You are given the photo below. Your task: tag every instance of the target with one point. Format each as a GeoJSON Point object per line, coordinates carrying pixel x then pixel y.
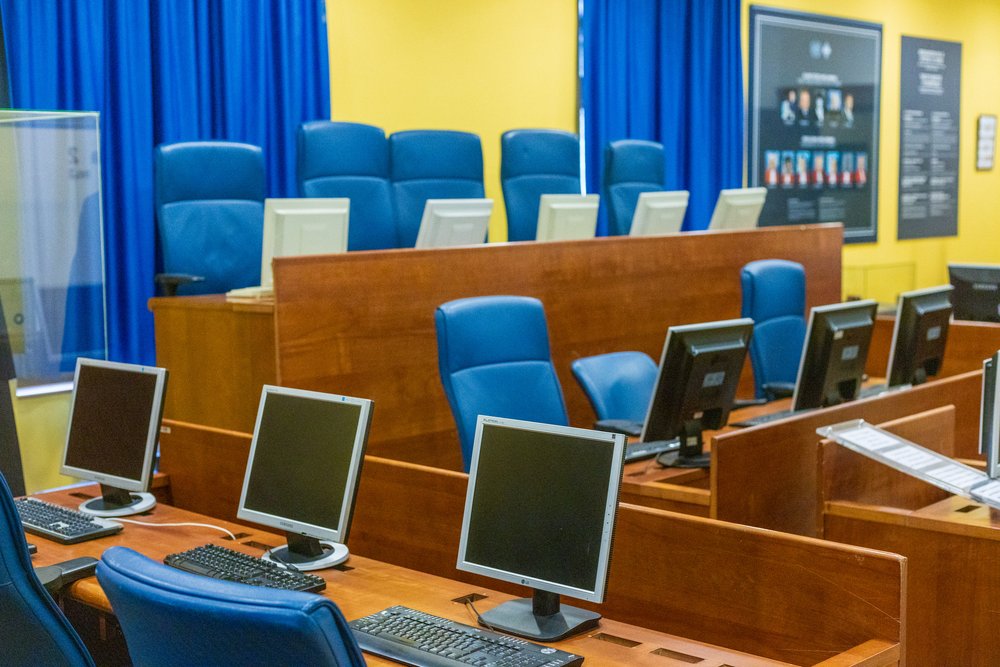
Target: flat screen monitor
{"type": "Point", "coordinates": [114, 423]}
{"type": "Point", "coordinates": [832, 366]}
{"type": "Point", "coordinates": [540, 512]}
{"type": "Point", "coordinates": [989, 416]}
{"type": "Point", "coordinates": [977, 291]}
{"type": "Point", "coordinates": [567, 217]}
{"type": "Point", "coordinates": [454, 222]}
{"type": "Point", "coordinates": [303, 471]}
{"type": "Point", "coordinates": [695, 387]}
{"type": "Point", "coordinates": [659, 213]}
{"type": "Point", "coordinates": [737, 209]}
{"type": "Point", "coordinates": [919, 335]}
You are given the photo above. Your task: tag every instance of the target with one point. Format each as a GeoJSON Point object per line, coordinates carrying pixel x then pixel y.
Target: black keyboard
{"type": "Point", "coordinates": [634, 451]}
{"type": "Point", "coordinates": [60, 524]}
{"type": "Point", "coordinates": [415, 638]}
{"type": "Point", "coordinates": [218, 562]}
{"type": "Point", "coordinates": [768, 418]}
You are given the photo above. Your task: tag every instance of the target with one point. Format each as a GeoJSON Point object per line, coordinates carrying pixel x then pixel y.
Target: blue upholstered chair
{"type": "Point", "coordinates": [535, 163]}
{"type": "Point", "coordinates": [774, 296]}
{"type": "Point", "coordinates": [350, 160]}
{"type": "Point", "coordinates": [631, 167]}
{"type": "Point", "coordinates": [431, 164]}
{"type": "Point", "coordinates": [618, 385]}
{"type": "Point", "coordinates": [210, 213]}
{"type": "Point", "coordinates": [173, 618]}
{"type": "Point", "coordinates": [494, 359]}
{"type": "Point", "coordinates": [35, 632]}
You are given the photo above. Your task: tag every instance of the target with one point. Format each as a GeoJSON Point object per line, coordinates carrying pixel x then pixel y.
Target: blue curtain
{"type": "Point", "coordinates": [667, 71]}
{"type": "Point", "coordinates": [161, 71]}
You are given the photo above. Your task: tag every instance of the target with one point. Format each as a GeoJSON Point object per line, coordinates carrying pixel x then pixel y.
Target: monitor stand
{"type": "Point", "coordinates": [691, 453]}
{"type": "Point", "coordinates": [307, 553]}
{"type": "Point", "coordinates": [540, 618]}
{"type": "Point", "coordinates": [118, 502]}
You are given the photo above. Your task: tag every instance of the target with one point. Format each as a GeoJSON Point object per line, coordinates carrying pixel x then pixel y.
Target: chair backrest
{"type": "Point", "coordinates": [170, 617]}
{"type": "Point", "coordinates": [431, 164]}
{"type": "Point", "coordinates": [494, 359]}
{"type": "Point", "coordinates": [618, 385]}
{"type": "Point", "coordinates": [210, 212]}
{"type": "Point", "coordinates": [35, 632]}
{"type": "Point", "coordinates": [350, 160]}
{"type": "Point", "coordinates": [631, 167]}
{"type": "Point", "coordinates": [774, 297]}
{"type": "Point", "coordinates": [535, 163]}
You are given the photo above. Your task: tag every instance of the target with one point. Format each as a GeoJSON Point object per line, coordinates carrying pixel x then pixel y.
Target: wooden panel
{"type": "Point", "coordinates": [767, 476]}
{"type": "Point", "coordinates": [219, 356]}
{"type": "Point", "coordinates": [363, 323]}
{"type": "Point", "coordinates": [968, 344]}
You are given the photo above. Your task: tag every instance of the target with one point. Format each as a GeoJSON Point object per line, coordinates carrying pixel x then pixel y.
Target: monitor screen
{"type": "Point", "coordinates": [919, 335]}
{"type": "Point", "coordinates": [305, 462]}
{"type": "Point", "coordinates": [454, 222]}
{"type": "Point", "coordinates": [306, 226]}
{"type": "Point", "coordinates": [659, 213]}
{"type": "Point", "coordinates": [699, 372]}
{"type": "Point", "coordinates": [567, 217]}
{"type": "Point", "coordinates": [989, 416]}
{"type": "Point", "coordinates": [833, 357]}
{"type": "Point", "coordinates": [977, 291]}
{"type": "Point", "coordinates": [737, 209]}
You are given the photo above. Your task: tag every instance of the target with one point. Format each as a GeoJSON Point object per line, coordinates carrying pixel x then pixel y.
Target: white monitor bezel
{"type": "Point", "coordinates": [991, 449]}
{"type": "Point", "coordinates": [732, 199]}
{"type": "Point", "coordinates": [440, 213]}
{"type": "Point", "coordinates": [650, 202]}
{"type": "Point", "coordinates": [616, 440]}
{"type": "Point", "coordinates": [338, 535]}
{"type": "Point", "coordinates": [549, 207]}
{"type": "Point", "coordinates": [141, 484]}
{"type": "Point", "coordinates": [273, 207]}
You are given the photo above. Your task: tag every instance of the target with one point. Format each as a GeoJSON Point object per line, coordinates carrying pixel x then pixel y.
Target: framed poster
{"type": "Point", "coordinates": [815, 84]}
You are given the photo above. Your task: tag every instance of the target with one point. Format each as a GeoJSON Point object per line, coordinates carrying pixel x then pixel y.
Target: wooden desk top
{"type": "Point", "coordinates": [954, 515]}
{"type": "Point", "coordinates": [369, 586]}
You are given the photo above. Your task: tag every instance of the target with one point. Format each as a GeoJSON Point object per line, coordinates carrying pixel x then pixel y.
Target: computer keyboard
{"type": "Point", "coordinates": [768, 418]}
{"type": "Point", "coordinates": [60, 524]}
{"type": "Point", "coordinates": [635, 451]}
{"type": "Point", "coordinates": [415, 638]}
{"type": "Point", "coordinates": [218, 562]}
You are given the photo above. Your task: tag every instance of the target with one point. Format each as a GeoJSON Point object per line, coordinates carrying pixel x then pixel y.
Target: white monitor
{"type": "Point", "coordinates": [659, 213]}
{"type": "Point", "coordinates": [308, 226]}
{"type": "Point", "coordinates": [303, 472]}
{"type": "Point", "coordinates": [989, 416]}
{"type": "Point", "coordinates": [738, 209]}
{"type": "Point", "coordinates": [454, 222]}
{"type": "Point", "coordinates": [567, 217]}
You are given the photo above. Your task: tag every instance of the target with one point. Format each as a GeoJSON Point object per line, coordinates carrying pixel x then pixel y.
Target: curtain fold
{"type": "Point", "coordinates": [667, 71]}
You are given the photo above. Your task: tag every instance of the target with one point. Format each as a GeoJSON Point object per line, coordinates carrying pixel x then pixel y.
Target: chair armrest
{"type": "Point", "coordinates": [169, 282]}
{"type": "Point", "coordinates": [58, 576]}
{"type": "Point", "coordinates": [776, 390]}
{"type": "Point", "coordinates": [619, 426]}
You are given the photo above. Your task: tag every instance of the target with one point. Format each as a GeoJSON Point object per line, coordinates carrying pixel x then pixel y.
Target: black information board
{"type": "Point", "coordinates": [929, 88]}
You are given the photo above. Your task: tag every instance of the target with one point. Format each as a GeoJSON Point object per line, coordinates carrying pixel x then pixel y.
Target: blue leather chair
{"type": "Point", "coordinates": [774, 296]}
{"type": "Point", "coordinates": [350, 160]}
{"type": "Point", "coordinates": [210, 213]}
{"type": "Point", "coordinates": [173, 618]}
{"type": "Point", "coordinates": [535, 163]}
{"type": "Point", "coordinates": [631, 167]}
{"type": "Point", "coordinates": [35, 632]}
{"type": "Point", "coordinates": [494, 359]}
{"type": "Point", "coordinates": [431, 164]}
{"type": "Point", "coordinates": [619, 385]}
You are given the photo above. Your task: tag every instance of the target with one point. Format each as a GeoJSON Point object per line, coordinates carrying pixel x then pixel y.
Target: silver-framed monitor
{"type": "Point", "coordinates": [737, 209]}
{"type": "Point", "coordinates": [989, 416]}
{"type": "Point", "coordinates": [567, 217]}
{"type": "Point", "coordinates": [540, 511]}
{"type": "Point", "coordinates": [659, 213]}
{"type": "Point", "coordinates": [448, 223]}
{"type": "Point", "coordinates": [114, 426]}
{"type": "Point", "coordinates": [303, 471]}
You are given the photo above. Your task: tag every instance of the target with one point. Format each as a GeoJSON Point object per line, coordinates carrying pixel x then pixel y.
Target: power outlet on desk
{"type": "Point", "coordinates": [236, 536]}
{"type": "Point", "coordinates": [469, 599]}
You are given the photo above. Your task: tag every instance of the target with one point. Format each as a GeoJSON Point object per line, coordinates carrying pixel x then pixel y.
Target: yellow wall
{"type": "Point", "coordinates": [483, 66]}
{"type": "Point", "coordinates": [881, 270]}
{"type": "Point", "coordinates": [41, 430]}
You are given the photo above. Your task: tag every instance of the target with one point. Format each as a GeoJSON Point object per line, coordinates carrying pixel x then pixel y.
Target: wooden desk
{"type": "Point", "coordinates": [362, 323]}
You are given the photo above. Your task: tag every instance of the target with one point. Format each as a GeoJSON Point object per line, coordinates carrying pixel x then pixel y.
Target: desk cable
{"type": "Point", "coordinates": [157, 525]}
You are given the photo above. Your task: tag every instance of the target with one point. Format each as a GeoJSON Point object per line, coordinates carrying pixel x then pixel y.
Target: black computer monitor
{"type": "Point", "coordinates": [303, 471]}
{"type": "Point", "coordinates": [540, 511]}
{"type": "Point", "coordinates": [919, 335]}
{"type": "Point", "coordinates": [833, 358]}
{"type": "Point", "coordinates": [989, 416]}
{"type": "Point", "coordinates": [114, 424]}
{"type": "Point", "coordinates": [695, 387]}
{"type": "Point", "coordinates": [977, 291]}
